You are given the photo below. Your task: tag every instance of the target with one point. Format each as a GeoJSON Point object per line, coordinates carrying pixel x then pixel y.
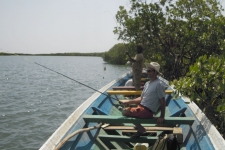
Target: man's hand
{"type": "Point", "coordinates": [160, 120]}
{"type": "Point", "coordinates": [124, 102]}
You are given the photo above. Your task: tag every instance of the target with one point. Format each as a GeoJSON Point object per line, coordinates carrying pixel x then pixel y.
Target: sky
{"type": "Point", "coordinates": [58, 26]}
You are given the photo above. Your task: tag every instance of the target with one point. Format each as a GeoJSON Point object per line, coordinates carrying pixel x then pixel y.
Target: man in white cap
{"type": "Point", "coordinates": [151, 99]}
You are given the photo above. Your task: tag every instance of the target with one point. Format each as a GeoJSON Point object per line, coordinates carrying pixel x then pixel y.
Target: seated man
{"type": "Point", "coordinates": [153, 97]}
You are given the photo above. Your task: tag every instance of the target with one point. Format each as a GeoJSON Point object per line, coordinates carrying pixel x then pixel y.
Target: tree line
{"type": "Point", "coordinates": [57, 54]}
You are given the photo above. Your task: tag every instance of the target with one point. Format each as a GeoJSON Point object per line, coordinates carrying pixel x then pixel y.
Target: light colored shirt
{"type": "Point", "coordinates": [138, 65]}
{"type": "Point", "coordinates": [151, 94]}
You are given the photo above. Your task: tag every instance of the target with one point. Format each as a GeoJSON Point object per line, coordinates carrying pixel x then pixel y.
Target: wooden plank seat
{"type": "Point", "coordinates": [118, 138]}
{"type": "Point", "coordinates": [149, 129]}
{"type": "Point", "coordinates": [124, 92]}
{"type": "Point", "coordinates": [126, 88]}
{"type": "Point", "coordinates": [134, 131]}
{"type": "Point", "coordinates": [129, 88]}
{"type": "Point", "coordinates": [174, 130]}
{"type": "Point", "coordinates": [142, 139]}
{"type": "Point", "coordinates": [123, 119]}
{"type": "Point", "coordinates": [130, 92]}
{"type": "Point", "coordinates": [144, 79]}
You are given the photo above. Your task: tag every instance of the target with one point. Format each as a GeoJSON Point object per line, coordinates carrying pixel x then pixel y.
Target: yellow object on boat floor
{"type": "Point", "coordinates": [141, 146]}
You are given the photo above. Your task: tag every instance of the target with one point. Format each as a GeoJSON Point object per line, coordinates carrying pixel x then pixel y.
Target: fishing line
{"type": "Point", "coordinates": [66, 77]}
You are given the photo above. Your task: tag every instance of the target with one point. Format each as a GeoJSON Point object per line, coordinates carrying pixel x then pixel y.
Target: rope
{"type": "Point", "coordinates": [75, 133]}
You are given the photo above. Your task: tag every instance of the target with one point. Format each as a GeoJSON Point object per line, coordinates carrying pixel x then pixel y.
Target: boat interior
{"type": "Point", "coordinates": [116, 130]}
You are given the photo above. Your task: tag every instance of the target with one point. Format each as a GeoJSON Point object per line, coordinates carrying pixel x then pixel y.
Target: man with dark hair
{"type": "Point", "coordinates": [151, 99]}
{"type": "Point", "coordinates": [137, 66]}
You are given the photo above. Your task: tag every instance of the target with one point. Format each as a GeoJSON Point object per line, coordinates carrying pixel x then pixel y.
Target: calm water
{"type": "Point", "coordinates": [35, 101]}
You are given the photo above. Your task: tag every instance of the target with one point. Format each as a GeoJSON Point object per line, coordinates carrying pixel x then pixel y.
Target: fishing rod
{"type": "Point", "coordinates": [72, 79]}
{"type": "Point", "coordinates": [67, 77]}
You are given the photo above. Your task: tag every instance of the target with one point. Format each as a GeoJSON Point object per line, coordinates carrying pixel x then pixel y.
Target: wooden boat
{"type": "Point", "coordinates": [97, 124]}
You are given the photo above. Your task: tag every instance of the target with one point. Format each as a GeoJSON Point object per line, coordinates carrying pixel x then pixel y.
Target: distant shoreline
{"type": "Point", "coordinates": [56, 54]}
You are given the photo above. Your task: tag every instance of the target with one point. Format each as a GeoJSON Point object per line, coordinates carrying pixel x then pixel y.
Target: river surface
{"type": "Point", "coordinates": [35, 101]}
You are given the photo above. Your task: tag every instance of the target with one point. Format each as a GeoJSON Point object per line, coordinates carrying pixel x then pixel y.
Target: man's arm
{"type": "Point", "coordinates": [131, 101]}
{"type": "Point", "coordinates": [162, 107]}
{"type": "Point", "coordinates": [131, 59]}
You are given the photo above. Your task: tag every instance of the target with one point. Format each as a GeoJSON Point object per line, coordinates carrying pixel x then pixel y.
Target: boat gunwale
{"type": "Point", "coordinates": [213, 134]}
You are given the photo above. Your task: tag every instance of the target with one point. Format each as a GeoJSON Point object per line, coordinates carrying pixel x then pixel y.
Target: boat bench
{"type": "Point", "coordinates": [142, 139]}
{"type": "Point", "coordinates": [129, 88]}
{"type": "Point", "coordinates": [123, 119]}
{"type": "Point", "coordinates": [144, 79]}
{"type": "Point", "coordinates": [168, 121]}
{"type": "Point", "coordinates": [126, 88]}
{"type": "Point", "coordinates": [149, 129]}
{"type": "Point", "coordinates": [118, 138]}
{"type": "Point", "coordinates": [130, 92]}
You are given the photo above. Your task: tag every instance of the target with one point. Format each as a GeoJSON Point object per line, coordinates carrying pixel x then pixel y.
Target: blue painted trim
{"type": "Point", "coordinates": [99, 111]}
{"type": "Point", "coordinates": [179, 112]}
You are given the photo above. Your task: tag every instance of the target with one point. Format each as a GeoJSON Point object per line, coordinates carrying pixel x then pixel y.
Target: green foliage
{"type": "Point", "coordinates": [179, 34]}
{"type": "Point", "coordinates": [58, 54]}
{"type": "Point", "coordinates": [3, 54]}
{"type": "Point", "coordinates": [173, 33]}
{"type": "Point", "coordinates": [73, 54]}
{"type": "Point", "coordinates": [205, 85]}
{"type": "Point", "coordinates": [117, 55]}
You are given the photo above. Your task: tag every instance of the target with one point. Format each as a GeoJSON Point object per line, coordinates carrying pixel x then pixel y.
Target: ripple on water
{"type": "Point", "coordinates": [35, 102]}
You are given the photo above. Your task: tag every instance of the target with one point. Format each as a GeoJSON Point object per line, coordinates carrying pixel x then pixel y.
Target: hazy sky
{"type": "Point", "coordinates": [58, 26]}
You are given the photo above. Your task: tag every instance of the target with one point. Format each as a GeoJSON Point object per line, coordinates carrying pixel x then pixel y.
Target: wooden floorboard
{"type": "Point", "coordinates": [118, 138]}
{"type": "Point", "coordinates": [132, 128]}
